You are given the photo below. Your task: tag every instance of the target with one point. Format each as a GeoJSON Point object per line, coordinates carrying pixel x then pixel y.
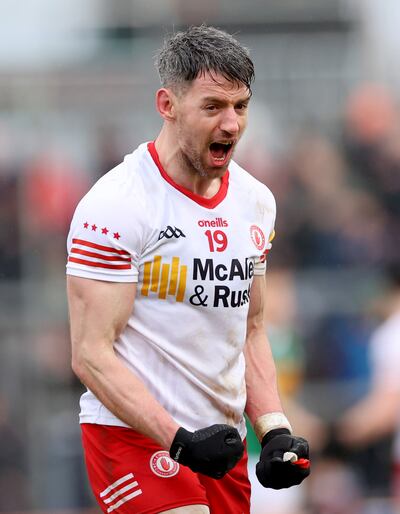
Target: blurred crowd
{"type": "Point", "coordinates": [333, 281]}
{"type": "Point", "coordinates": [338, 192]}
{"type": "Point", "coordinates": [337, 347]}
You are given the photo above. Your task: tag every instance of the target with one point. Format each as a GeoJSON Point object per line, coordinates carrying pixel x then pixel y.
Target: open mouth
{"type": "Point", "coordinates": [220, 152]}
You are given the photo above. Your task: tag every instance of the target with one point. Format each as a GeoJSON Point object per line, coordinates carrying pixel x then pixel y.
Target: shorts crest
{"type": "Point", "coordinates": [162, 465]}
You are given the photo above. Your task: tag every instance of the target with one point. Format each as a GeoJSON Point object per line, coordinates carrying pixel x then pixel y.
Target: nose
{"type": "Point", "coordinates": [230, 122]}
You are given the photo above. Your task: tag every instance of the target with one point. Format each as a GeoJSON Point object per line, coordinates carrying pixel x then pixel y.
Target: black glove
{"type": "Point", "coordinates": [212, 451]}
{"type": "Point", "coordinates": [271, 470]}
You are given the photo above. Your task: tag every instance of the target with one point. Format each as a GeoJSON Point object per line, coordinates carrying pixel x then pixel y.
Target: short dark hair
{"type": "Point", "coordinates": [201, 49]}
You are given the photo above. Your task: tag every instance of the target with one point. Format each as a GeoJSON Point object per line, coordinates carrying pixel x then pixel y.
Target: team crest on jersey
{"type": "Point", "coordinates": [162, 465]}
{"type": "Point", "coordinates": [257, 236]}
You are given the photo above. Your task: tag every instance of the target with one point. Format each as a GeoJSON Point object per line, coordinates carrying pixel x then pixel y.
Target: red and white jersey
{"type": "Point", "coordinates": [193, 260]}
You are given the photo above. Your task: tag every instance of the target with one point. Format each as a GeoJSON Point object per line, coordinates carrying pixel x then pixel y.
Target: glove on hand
{"type": "Point", "coordinates": [212, 451]}
{"type": "Point", "coordinates": [271, 470]}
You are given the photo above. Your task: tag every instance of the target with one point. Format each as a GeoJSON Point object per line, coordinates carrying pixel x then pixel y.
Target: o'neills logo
{"type": "Point", "coordinates": [217, 222]}
{"type": "Point", "coordinates": [162, 465]}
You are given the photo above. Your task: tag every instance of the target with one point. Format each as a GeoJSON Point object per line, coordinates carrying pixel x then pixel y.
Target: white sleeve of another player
{"type": "Point", "coordinates": [105, 238]}
{"type": "Point", "coordinates": [385, 354]}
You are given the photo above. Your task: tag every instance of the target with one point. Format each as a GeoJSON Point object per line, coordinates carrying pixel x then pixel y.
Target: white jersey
{"type": "Point", "coordinates": [385, 358]}
{"type": "Point", "coordinates": [193, 260]}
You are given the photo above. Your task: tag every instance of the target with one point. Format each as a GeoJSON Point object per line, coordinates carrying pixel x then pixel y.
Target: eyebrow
{"type": "Point", "coordinates": [222, 101]}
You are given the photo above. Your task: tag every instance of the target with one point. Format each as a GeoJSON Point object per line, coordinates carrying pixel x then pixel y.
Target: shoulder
{"type": "Point", "coordinates": [118, 192]}
{"type": "Point", "coordinates": [110, 226]}
{"type": "Point", "coordinates": [122, 182]}
{"type": "Point", "coordinates": [115, 205]}
{"type": "Point", "coordinates": [248, 184]}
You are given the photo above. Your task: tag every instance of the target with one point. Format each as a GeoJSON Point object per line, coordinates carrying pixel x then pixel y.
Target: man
{"type": "Point", "coordinates": [166, 292]}
{"type": "Point", "coordinates": [376, 415]}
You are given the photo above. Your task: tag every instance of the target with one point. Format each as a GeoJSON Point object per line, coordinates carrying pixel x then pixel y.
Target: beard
{"type": "Point", "coordinates": [191, 160]}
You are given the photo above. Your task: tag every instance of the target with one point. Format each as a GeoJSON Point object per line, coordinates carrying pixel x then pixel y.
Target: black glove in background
{"type": "Point", "coordinates": [213, 450]}
{"type": "Point", "coordinates": [271, 470]}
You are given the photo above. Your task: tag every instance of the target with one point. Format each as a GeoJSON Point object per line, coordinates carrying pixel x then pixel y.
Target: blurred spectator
{"type": "Point", "coordinates": [337, 349]}
{"type": "Point", "coordinates": [108, 150]}
{"type": "Point", "coordinates": [52, 188]}
{"type": "Point", "coordinates": [10, 262]}
{"type": "Point", "coordinates": [13, 477]}
{"type": "Point", "coordinates": [378, 413]}
{"type": "Point", "coordinates": [372, 146]}
{"type": "Point", "coordinates": [325, 220]}
{"type": "Point", "coordinates": [66, 484]}
{"type": "Point", "coordinates": [63, 482]}
{"type": "Point", "coordinates": [334, 488]}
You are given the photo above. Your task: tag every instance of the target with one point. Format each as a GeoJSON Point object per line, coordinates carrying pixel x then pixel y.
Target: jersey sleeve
{"type": "Point", "coordinates": [266, 234]}
{"type": "Point", "coordinates": [105, 239]}
{"type": "Point", "coordinates": [260, 264]}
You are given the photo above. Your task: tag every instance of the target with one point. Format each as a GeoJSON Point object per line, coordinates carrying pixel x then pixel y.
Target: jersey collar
{"type": "Point", "coordinates": [209, 203]}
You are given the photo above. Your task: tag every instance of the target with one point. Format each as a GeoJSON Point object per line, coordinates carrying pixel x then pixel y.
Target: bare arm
{"type": "Point", "coordinates": [261, 383]}
{"type": "Point", "coordinates": [275, 469]}
{"type": "Point", "coordinates": [99, 311]}
{"type": "Point", "coordinates": [373, 417]}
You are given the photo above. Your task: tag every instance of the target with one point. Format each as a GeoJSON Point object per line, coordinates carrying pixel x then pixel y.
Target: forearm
{"type": "Point", "coordinates": [261, 382]}
{"type": "Point", "coordinates": [124, 394]}
{"type": "Point", "coordinates": [373, 417]}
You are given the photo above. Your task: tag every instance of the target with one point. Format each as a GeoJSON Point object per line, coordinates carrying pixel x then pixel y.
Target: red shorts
{"type": "Point", "coordinates": [130, 473]}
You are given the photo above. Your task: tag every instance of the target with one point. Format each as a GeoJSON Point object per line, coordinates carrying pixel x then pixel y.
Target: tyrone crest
{"type": "Point", "coordinates": [162, 465]}
{"type": "Point", "coordinates": [257, 236]}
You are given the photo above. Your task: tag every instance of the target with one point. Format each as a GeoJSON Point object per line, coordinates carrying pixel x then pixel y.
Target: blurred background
{"type": "Point", "coordinates": [77, 84]}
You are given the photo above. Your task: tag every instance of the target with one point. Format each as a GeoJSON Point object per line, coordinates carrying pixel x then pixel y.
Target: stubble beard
{"type": "Point", "coordinates": [189, 157]}
{"type": "Point", "coordinates": [192, 162]}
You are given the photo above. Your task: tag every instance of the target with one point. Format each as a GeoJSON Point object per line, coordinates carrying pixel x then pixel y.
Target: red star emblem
{"type": "Point", "coordinates": [94, 227]}
{"type": "Point", "coordinates": [116, 235]}
{"type": "Point", "coordinates": [86, 224]}
{"type": "Point", "coordinates": [104, 230]}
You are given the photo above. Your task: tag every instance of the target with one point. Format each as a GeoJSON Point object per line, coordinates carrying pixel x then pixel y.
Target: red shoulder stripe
{"type": "Point", "coordinates": [99, 264]}
{"type": "Point", "coordinates": [100, 256]}
{"type": "Point", "coordinates": [99, 247]}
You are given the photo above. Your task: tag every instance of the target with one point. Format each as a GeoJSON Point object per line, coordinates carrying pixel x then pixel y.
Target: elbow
{"type": "Point", "coordinates": [81, 363]}
{"type": "Point", "coordinates": [89, 361]}
{"type": "Point", "coordinates": [78, 367]}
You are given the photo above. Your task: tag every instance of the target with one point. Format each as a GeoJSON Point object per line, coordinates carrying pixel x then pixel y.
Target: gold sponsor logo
{"type": "Point", "coordinates": [164, 279]}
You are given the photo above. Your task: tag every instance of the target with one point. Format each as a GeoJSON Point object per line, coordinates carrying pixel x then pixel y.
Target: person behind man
{"type": "Point", "coordinates": [377, 414]}
{"type": "Point", "coordinates": [166, 295]}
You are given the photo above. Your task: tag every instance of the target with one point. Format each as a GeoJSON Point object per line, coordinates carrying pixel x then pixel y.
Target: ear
{"type": "Point", "coordinates": [165, 103]}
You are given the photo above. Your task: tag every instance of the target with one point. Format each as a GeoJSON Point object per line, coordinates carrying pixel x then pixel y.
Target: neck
{"type": "Point", "coordinates": [177, 167]}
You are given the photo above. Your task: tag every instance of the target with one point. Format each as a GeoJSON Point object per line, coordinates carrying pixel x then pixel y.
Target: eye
{"type": "Point", "coordinates": [211, 107]}
{"type": "Point", "coordinates": [241, 107]}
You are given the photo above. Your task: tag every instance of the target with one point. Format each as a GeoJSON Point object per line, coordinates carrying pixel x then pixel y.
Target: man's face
{"type": "Point", "coordinates": [211, 116]}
